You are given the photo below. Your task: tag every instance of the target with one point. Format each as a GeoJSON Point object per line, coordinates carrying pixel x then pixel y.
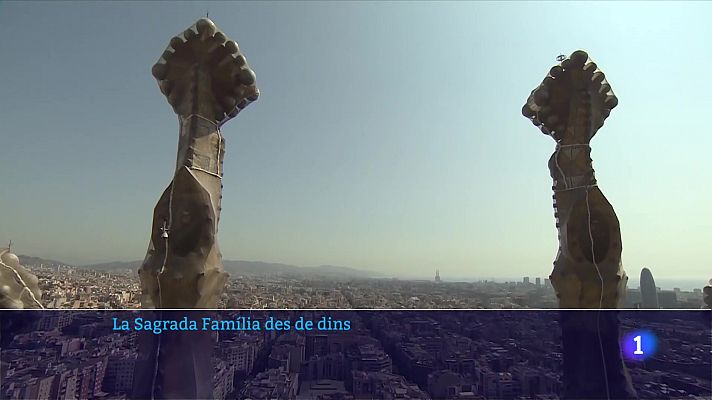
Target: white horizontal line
{"type": "Point", "coordinates": [357, 309]}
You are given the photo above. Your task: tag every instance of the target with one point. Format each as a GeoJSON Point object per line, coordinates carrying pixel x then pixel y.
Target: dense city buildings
{"type": "Point", "coordinates": [70, 287]}
{"type": "Point", "coordinates": [387, 355]}
{"type": "Point", "coordinates": [390, 355]}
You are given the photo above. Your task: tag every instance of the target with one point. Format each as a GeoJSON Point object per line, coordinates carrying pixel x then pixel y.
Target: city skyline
{"type": "Point", "coordinates": [238, 268]}
{"type": "Point", "coordinates": [393, 144]}
{"type": "Point", "coordinates": [77, 288]}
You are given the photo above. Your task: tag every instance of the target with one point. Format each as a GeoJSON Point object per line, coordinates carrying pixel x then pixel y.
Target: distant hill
{"type": "Point", "coordinates": [115, 266]}
{"type": "Point", "coordinates": [241, 267]}
{"type": "Point", "coordinates": [30, 260]}
{"type": "Point", "coordinates": [233, 267]}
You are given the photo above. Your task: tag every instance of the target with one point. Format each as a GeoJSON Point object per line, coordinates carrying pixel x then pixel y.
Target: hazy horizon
{"type": "Point", "coordinates": [388, 136]}
{"type": "Point", "coordinates": [684, 282]}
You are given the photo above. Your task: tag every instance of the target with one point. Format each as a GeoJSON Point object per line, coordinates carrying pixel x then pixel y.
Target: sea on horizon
{"type": "Point", "coordinates": [685, 284]}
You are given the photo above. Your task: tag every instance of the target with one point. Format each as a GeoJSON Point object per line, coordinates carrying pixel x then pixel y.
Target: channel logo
{"type": "Point", "coordinates": [639, 345]}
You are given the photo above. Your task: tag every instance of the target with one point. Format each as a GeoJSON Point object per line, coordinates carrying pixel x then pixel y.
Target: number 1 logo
{"type": "Point", "coordinates": [638, 345]}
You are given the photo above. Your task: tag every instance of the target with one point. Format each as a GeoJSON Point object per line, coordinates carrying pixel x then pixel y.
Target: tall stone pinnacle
{"type": "Point", "coordinates": [207, 81]}
{"type": "Point", "coordinates": [570, 105]}
{"type": "Point", "coordinates": [18, 286]}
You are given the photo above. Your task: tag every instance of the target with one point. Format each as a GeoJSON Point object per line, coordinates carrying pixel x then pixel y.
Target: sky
{"type": "Point", "coordinates": [387, 137]}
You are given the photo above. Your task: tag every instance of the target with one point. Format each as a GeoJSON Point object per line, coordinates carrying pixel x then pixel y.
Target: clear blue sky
{"type": "Point", "coordinates": [388, 136]}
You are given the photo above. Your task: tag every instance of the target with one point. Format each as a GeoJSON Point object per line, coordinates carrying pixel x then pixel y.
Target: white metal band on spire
{"type": "Point", "coordinates": [220, 140]}
{"type": "Point", "coordinates": [564, 178]}
{"type": "Point", "coordinates": [588, 188]}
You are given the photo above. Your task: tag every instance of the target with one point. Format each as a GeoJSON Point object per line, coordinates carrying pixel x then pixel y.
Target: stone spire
{"type": "Point", "coordinates": [207, 81]}
{"type": "Point", "coordinates": [570, 105]}
{"type": "Point", "coordinates": [18, 286]}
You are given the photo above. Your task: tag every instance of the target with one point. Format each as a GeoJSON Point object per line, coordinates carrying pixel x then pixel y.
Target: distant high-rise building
{"type": "Point", "coordinates": [538, 281]}
{"type": "Point", "coordinates": [668, 299]}
{"type": "Point", "coordinates": [648, 291]}
{"type": "Point", "coordinates": [526, 280]}
{"type": "Point", "coordinates": [547, 282]}
{"type": "Point", "coordinates": [632, 298]}
{"type": "Point", "coordinates": [437, 275]}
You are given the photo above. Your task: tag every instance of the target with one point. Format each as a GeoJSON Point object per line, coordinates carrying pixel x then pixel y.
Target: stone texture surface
{"type": "Point", "coordinates": [207, 81]}
{"type": "Point", "coordinates": [570, 105]}
{"type": "Point", "coordinates": [18, 286]}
